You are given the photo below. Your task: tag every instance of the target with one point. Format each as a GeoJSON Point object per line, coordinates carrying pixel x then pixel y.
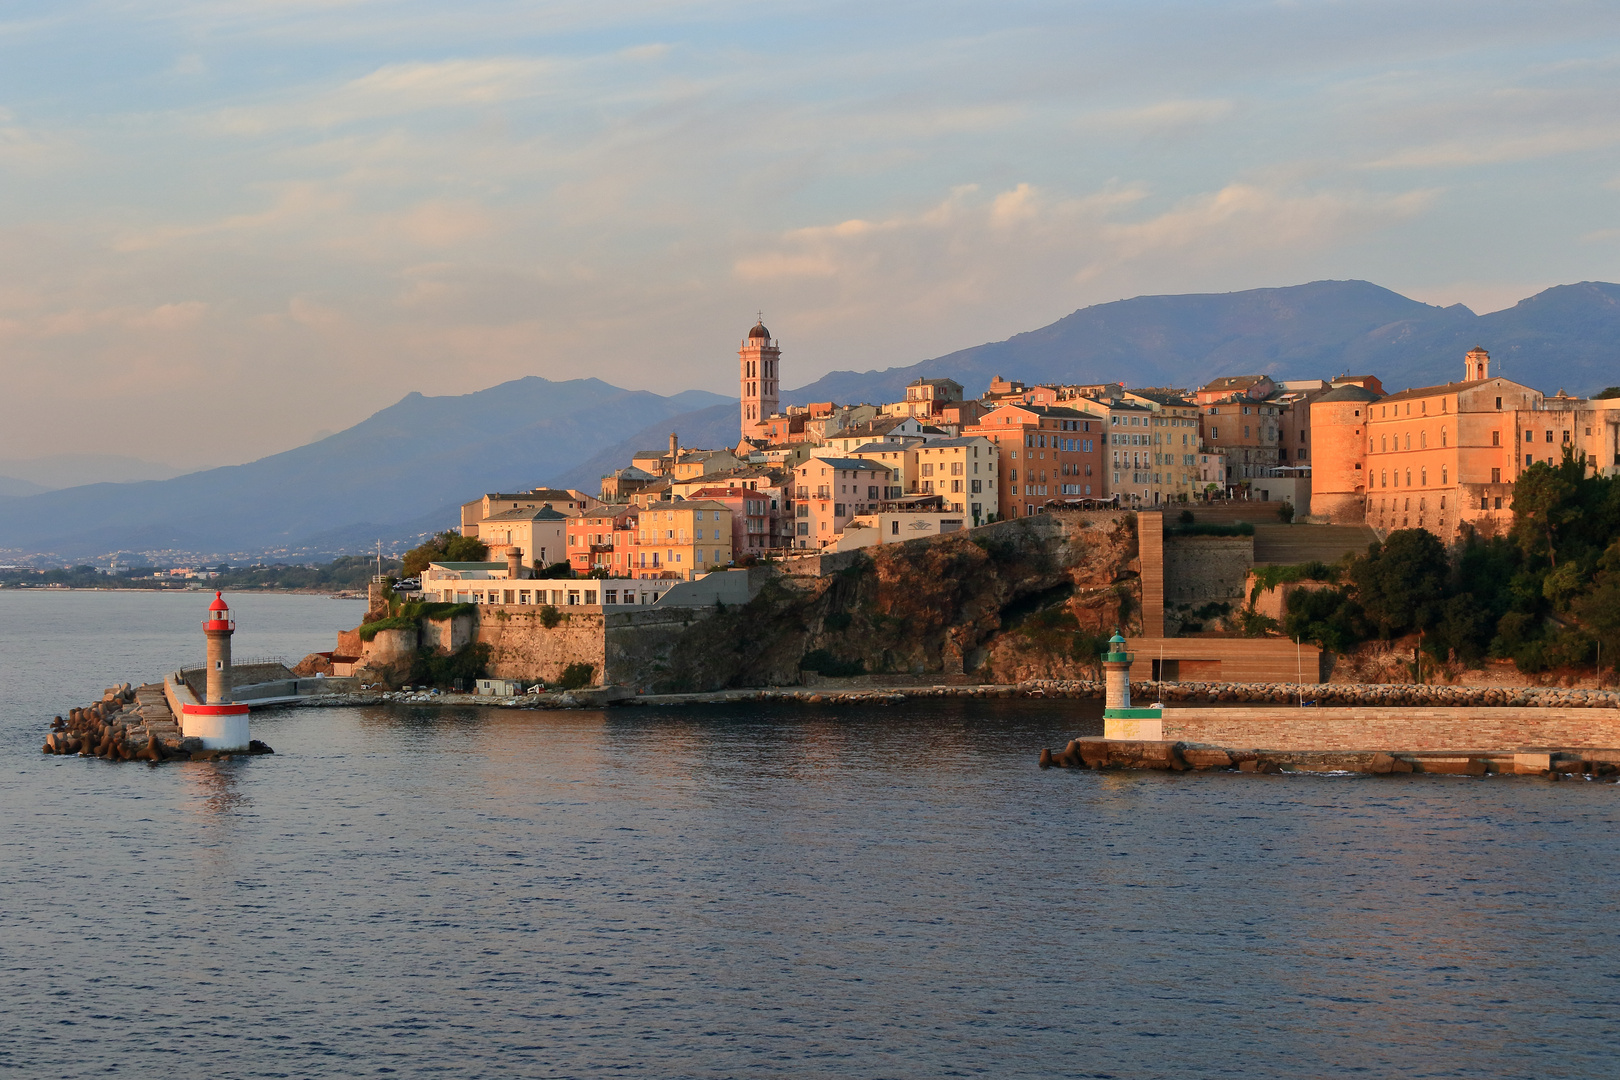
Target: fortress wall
{"type": "Point", "coordinates": [1201, 569]}
{"type": "Point", "coordinates": [523, 647]}
{"type": "Point", "coordinates": [1397, 729]}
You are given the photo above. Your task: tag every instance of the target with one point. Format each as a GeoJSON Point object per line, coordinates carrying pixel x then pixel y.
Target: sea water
{"type": "Point", "coordinates": [887, 891]}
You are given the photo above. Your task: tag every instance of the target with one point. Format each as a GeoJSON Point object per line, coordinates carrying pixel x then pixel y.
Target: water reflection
{"type": "Point", "coordinates": [215, 788]}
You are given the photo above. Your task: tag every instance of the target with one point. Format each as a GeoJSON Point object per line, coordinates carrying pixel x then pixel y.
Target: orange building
{"type": "Point", "coordinates": [1049, 454]}
{"type": "Point", "coordinates": [1439, 457]}
{"type": "Point", "coordinates": [598, 539]}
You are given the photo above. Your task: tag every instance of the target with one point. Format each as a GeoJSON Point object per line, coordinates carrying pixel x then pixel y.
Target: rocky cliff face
{"type": "Point", "coordinates": [1021, 599]}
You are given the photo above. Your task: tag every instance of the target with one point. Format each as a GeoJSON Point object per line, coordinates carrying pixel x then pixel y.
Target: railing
{"type": "Point", "coordinates": [242, 661]}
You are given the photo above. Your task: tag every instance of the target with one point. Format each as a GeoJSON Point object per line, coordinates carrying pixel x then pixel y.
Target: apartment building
{"type": "Point", "coordinates": [1047, 453]}
{"type": "Point", "coordinates": [682, 539]}
{"type": "Point", "coordinates": [753, 519]}
{"type": "Point", "coordinates": [1248, 432]}
{"type": "Point", "coordinates": [598, 540]}
{"type": "Point", "coordinates": [828, 492]}
{"type": "Point", "coordinates": [560, 500]}
{"type": "Point", "coordinates": [538, 531]}
{"type": "Point", "coordinates": [1175, 437]}
{"type": "Point", "coordinates": [965, 473]}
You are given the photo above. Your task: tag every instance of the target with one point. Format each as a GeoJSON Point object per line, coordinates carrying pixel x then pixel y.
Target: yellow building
{"type": "Point", "coordinates": [962, 471]}
{"type": "Point", "coordinates": [682, 539]}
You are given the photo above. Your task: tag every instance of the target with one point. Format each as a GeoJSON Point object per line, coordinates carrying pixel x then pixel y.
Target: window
{"type": "Point", "coordinates": [1529, 436]}
{"type": "Point", "coordinates": [1496, 436]}
{"type": "Point", "coordinates": [1549, 434]}
{"type": "Point", "coordinates": [1496, 476]}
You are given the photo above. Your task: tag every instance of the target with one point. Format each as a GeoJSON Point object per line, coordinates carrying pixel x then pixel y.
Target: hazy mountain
{"type": "Point", "coordinates": [11, 485]}
{"type": "Point", "coordinates": [1567, 336]}
{"type": "Point", "coordinates": [54, 471]}
{"type": "Point", "coordinates": [710, 429]}
{"type": "Point", "coordinates": [385, 475]}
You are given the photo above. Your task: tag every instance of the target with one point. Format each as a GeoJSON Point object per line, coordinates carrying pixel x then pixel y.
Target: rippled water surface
{"type": "Point", "coordinates": [886, 892]}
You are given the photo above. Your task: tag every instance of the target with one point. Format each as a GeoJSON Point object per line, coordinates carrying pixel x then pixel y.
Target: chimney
{"type": "Point", "coordinates": [514, 562]}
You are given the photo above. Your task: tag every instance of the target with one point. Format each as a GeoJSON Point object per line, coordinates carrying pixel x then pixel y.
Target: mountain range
{"type": "Point", "coordinates": [402, 471]}
{"type": "Point", "coordinates": [1567, 336]}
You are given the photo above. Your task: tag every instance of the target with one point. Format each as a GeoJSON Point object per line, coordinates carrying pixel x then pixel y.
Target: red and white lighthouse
{"type": "Point", "coordinates": [218, 722]}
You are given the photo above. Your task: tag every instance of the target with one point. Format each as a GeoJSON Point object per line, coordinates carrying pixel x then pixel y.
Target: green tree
{"type": "Point", "coordinates": [1401, 582]}
{"type": "Point", "coordinates": [1543, 504]}
{"type": "Point", "coordinates": [447, 546]}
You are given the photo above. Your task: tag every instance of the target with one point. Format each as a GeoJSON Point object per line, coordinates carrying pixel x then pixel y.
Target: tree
{"type": "Point", "coordinates": [1543, 503]}
{"type": "Point", "coordinates": [1401, 582]}
{"type": "Point", "coordinates": [447, 546]}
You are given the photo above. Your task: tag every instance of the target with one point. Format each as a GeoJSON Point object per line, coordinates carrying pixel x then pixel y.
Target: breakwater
{"type": "Point", "coordinates": [1094, 753]}
{"type": "Point", "coordinates": [1335, 694]}
{"type": "Point", "coordinates": [130, 724]}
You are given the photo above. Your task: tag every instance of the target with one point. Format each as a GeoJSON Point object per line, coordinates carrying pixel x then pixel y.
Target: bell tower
{"type": "Point", "coordinates": [758, 361]}
{"type": "Point", "coordinates": [1477, 364]}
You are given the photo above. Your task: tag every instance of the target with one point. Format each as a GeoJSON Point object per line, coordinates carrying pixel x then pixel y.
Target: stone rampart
{"type": "Point", "coordinates": [523, 647]}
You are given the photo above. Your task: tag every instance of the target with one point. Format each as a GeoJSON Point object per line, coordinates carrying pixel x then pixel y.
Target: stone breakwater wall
{"type": "Point", "coordinates": [1094, 753]}
{"type": "Point", "coordinates": [129, 724]}
{"type": "Point", "coordinates": [1333, 694]}
{"type": "Point", "coordinates": [1404, 728]}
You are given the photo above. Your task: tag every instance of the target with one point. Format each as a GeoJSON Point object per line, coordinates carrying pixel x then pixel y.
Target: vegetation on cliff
{"type": "Point", "coordinates": [1545, 595]}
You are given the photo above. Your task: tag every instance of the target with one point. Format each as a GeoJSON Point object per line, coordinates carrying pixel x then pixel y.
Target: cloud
{"type": "Point", "coordinates": [1161, 116]}
{"type": "Point", "coordinates": [445, 223]}
{"type": "Point", "coordinates": [1487, 150]}
{"type": "Point", "coordinates": [178, 316]}
{"type": "Point", "coordinates": [395, 90]}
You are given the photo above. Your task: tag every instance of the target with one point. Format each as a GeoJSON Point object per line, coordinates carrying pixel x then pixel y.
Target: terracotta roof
{"type": "Point", "coordinates": [1434, 391]}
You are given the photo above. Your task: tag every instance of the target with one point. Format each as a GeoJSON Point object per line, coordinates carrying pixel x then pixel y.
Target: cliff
{"type": "Point", "coordinates": [1020, 599]}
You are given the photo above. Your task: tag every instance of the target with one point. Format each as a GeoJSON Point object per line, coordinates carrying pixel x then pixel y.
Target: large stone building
{"type": "Point", "coordinates": [1444, 457]}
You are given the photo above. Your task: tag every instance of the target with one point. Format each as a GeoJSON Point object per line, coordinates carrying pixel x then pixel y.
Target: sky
{"type": "Point", "coordinates": [227, 228]}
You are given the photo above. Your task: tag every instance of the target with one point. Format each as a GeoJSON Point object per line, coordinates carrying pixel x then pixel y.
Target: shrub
{"type": "Point", "coordinates": [438, 669]}
{"type": "Point", "coordinates": [1185, 517]}
{"type": "Point", "coordinates": [823, 662]}
{"type": "Point", "coordinates": [838, 621]}
{"type": "Point", "coordinates": [576, 675]}
{"type": "Point", "coordinates": [1285, 513]}
{"type": "Point", "coordinates": [370, 630]}
{"type": "Point", "coordinates": [549, 616]}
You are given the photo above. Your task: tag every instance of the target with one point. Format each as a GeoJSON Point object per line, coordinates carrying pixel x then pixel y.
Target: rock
{"type": "Point", "coordinates": [1046, 756]}
{"type": "Point", "coordinates": [1206, 757]}
{"type": "Point", "coordinates": [1382, 764]}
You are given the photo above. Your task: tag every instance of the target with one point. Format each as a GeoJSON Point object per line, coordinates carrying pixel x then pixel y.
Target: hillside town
{"type": "Point", "coordinates": [831, 477]}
